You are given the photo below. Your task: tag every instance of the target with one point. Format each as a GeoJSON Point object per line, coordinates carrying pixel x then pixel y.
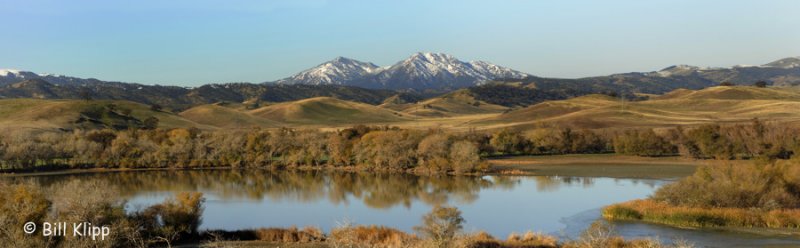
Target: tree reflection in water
{"type": "Point", "coordinates": [376, 190]}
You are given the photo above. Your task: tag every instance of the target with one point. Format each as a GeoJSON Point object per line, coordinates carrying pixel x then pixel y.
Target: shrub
{"type": "Point", "coordinates": [176, 217]}
{"type": "Point", "coordinates": [464, 157]}
{"type": "Point", "coordinates": [433, 150]}
{"type": "Point", "coordinates": [509, 142]}
{"type": "Point", "coordinates": [709, 141]}
{"type": "Point", "coordinates": [290, 235]}
{"type": "Point", "coordinates": [20, 204]}
{"type": "Point", "coordinates": [643, 143]}
{"type": "Point", "coordinates": [373, 236]}
{"type": "Point", "coordinates": [150, 123]}
{"type": "Point", "coordinates": [750, 185]}
{"type": "Point", "coordinates": [441, 224]}
{"type": "Point", "coordinates": [388, 149]}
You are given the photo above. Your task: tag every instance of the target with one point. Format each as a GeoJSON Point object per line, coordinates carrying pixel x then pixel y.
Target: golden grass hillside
{"type": "Point", "coordinates": [721, 104]}
{"type": "Point", "coordinates": [327, 111]}
{"type": "Point", "coordinates": [225, 117]}
{"type": "Point", "coordinates": [457, 103]}
{"type": "Point", "coordinates": [41, 114]}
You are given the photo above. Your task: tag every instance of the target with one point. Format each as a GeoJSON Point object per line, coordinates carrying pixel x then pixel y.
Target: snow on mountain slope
{"type": "Point", "coordinates": [419, 71]}
{"type": "Point", "coordinates": [338, 71]}
{"type": "Point", "coordinates": [787, 63]}
{"type": "Point", "coordinates": [17, 73]}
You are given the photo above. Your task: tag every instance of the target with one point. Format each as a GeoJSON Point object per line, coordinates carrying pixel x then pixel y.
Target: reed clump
{"type": "Point", "coordinates": [764, 195]}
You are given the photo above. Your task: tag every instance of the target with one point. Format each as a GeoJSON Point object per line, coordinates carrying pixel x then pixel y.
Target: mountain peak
{"type": "Point", "coordinates": [341, 59]}
{"type": "Point", "coordinates": [786, 63]}
{"type": "Point", "coordinates": [430, 57]}
{"type": "Point", "coordinates": [421, 70]}
{"type": "Point", "coordinates": [16, 73]}
{"type": "Point", "coordinates": [335, 71]}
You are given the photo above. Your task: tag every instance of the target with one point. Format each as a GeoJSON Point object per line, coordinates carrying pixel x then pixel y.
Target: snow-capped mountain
{"type": "Point", "coordinates": [338, 71]}
{"type": "Point", "coordinates": [787, 63]}
{"type": "Point", "coordinates": [782, 72]}
{"type": "Point", "coordinates": [496, 71]}
{"type": "Point", "coordinates": [17, 75]}
{"type": "Point", "coordinates": [679, 70]}
{"type": "Point", "coordinates": [10, 76]}
{"type": "Point", "coordinates": [419, 71]}
{"type": "Point", "coordinates": [685, 70]}
{"type": "Point", "coordinates": [438, 70]}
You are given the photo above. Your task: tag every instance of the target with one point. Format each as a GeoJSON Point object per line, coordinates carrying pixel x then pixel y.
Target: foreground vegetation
{"type": "Point", "coordinates": [176, 220]}
{"type": "Point", "coordinates": [751, 195]}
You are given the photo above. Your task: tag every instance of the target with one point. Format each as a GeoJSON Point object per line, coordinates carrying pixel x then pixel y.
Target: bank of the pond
{"type": "Point", "coordinates": [764, 222]}
{"type": "Point", "coordinates": [597, 235]}
{"type": "Point", "coordinates": [350, 169]}
{"type": "Point", "coordinates": [594, 165]}
{"type": "Point", "coordinates": [577, 165]}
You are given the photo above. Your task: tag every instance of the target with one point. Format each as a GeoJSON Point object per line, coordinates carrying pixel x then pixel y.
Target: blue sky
{"type": "Point", "coordinates": [191, 42]}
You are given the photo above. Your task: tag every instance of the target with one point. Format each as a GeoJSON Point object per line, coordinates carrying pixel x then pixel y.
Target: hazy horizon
{"type": "Point", "coordinates": [189, 43]}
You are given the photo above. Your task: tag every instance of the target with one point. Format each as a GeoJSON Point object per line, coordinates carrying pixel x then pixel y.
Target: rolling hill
{"type": "Point", "coordinates": [457, 103]}
{"type": "Point", "coordinates": [721, 104]}
{"type": "Point", "coordinates": [225, 117]}
{"type": "Point", "coordinates": [43, 114]}
{"type": "Point", "coordinates": [31, 85]}
{"type": "Point", "coordinates": [327, 111]}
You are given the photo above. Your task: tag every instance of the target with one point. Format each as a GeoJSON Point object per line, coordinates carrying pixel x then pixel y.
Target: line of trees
{"type": "Point", "coordinates": [754, 140]}
{"type": "Point", "coordinates": [379, 148]}
{"type": "Point", "coordinates": [375, 148]}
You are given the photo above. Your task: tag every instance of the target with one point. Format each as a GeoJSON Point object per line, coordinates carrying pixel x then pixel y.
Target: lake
{"type": "Point", "coordinates": [559, 205]}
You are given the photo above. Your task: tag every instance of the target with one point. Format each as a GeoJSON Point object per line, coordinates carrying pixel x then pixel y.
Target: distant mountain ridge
{"type": "Point", "coordinates": [531, 90]}
{"type": "Point", "coordinates": [180, 98]}
{"type": "Point", "coordinates": [431, 73]}
{"type": "Point", "coordinates": [420, 71]}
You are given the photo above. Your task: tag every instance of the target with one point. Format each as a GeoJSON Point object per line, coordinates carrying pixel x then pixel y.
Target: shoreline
{"type": "Point", "coordinates": [596, 165]}
{"type": "Point", "coordinates": [591, 159]}
{"type": "Point", "coordinates": [714, 219]}
{"type": "Point", "coordinates": [579, 165]}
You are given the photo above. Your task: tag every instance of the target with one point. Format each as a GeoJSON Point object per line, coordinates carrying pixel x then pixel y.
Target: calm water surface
{"type": "Point", "coordinates": [558, 205]}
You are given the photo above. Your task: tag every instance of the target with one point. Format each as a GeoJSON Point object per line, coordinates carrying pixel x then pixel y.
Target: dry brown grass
{"type": "Point", "coordinates": [712, 105]}
{"type": "Point", "coordinates": [457, 103]}
{"type": "Point", "coordinates": [657, 212]}
{"type": "Point", "coordinates": [370, 236]}
{"type": "Point", "coordinates": [326, 111]}
{"type": "Point", "coordinates": [225, 117]}
{"type": "Point", "coordinates": [290, 235]}
{"type": "Point", "coordinates": [44, 114]}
